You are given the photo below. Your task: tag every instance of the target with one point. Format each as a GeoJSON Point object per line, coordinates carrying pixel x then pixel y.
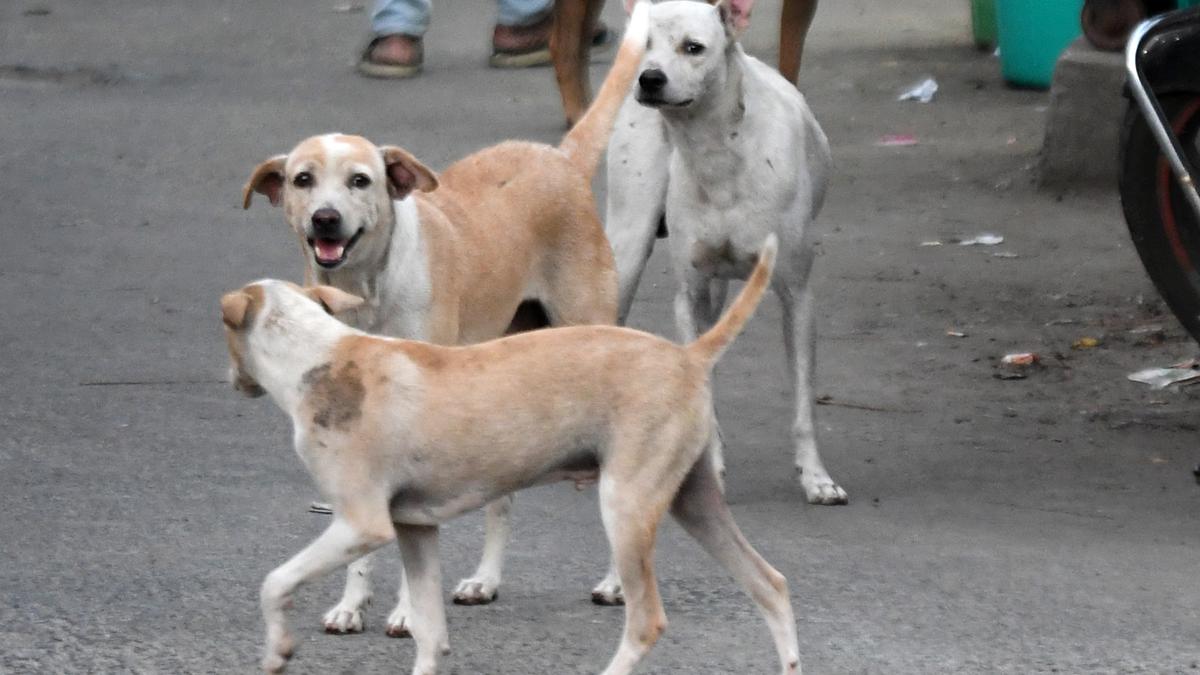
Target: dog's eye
{"type": "Point", "coordinates": [692, 48]}
{"type": "Point", "coordinates": [302, 179]}
{"type": "Point", "coordinates": [360, 180]}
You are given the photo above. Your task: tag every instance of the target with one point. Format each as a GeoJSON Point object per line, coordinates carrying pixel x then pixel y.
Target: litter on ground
{"type": "Point", "coordinates": [922, 91]}
{"type": "Point", "coordinates": [1085, 343]}
{"type": "Point", "coordinates": [1020, 359]}
{"type": "Point", "coordinates": [1161, 378]}
{"type": "Point", "coordinates": [985, 239]}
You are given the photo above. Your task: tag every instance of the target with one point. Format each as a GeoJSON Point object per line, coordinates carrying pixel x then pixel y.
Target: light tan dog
{"type": "Point", "coordinates": [402, 436]}
{"type": "Point", "coordinates": [449, 259]}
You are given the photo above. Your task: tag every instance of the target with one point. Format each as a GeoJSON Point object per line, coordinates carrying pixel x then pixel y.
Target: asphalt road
{"type": "Point", "coordinates": [1026, 526]}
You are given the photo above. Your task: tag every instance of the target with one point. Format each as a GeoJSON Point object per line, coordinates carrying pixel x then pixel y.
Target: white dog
{"type": "Point", "coordinates": [725, 150]}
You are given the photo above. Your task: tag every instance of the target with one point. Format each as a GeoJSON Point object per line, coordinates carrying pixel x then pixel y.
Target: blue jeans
{"type": "Point", "coordinates": [411, 17]}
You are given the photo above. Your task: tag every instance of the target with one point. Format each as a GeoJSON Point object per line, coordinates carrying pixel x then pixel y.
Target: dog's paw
{"type": "Point", "coordinates": [277, 655]}
{"type": "Point", "coordinates": [398, 622]}
{"type": "Point", "coordinates": [475, 591]}
{"type": "Point", "coordinates": [343, 619]}
{"type": "Point", "coordinates": [822, 490]}
{"type": "Point", "coordinates": [608, 593]}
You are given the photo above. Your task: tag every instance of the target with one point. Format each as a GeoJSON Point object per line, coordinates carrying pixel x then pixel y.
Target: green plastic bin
{"type": "Point", "coordinates": [1032, 35]}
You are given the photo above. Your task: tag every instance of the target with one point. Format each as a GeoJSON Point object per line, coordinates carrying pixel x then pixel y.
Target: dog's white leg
{"type": "Point", "coordinates": [638, 159]}
{"type": "Point", "coordinates": [697, 308]}
{"type": "Point", "coordinates": [419, 548]}
{"type": "Point", "coordinates": [347, 615]}
{"type": "Point", "coordinates": [700, 508]}
{"type": "Point", "coordinates": [608, 591]}
{"type": "Point", "coordinates": [399, 622]}
{"type": "Point", "coordinates": [339, 544]}
{"type": "Point", "coordinates": [480, 588]}
{"type": "Point", "coordinates": [800, 339]}
{"type": "Point", "coordinates": [631, 522]}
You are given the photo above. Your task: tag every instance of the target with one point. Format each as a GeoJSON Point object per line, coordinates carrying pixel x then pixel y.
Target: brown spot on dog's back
{"type": "Point", "coordinates": [335, 396]}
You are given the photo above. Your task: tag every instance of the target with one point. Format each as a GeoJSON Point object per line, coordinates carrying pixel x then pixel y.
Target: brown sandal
{"type": "Point", "coordinates": [392, 56]}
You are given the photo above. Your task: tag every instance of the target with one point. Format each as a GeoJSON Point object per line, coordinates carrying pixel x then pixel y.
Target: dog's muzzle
{"type": "Point", "coordinates": [329, 244]}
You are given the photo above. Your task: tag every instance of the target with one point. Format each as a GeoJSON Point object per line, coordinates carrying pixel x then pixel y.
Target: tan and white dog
{"type": "Point", "coordinates": [449, 259]}
{"type": "Point", "coordinates": [402, 436]}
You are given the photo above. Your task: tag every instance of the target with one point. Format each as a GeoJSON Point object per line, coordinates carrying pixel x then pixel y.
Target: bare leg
{"type": "Point", "coordinates": [338, 545]}
{"type": "Point", "coordinates": [480, 587]}
{"type": "Point", "coordinates": [794, 22]}
{"type": "Point", "coordinates": [419, 548]}
{"type": "Point", "coordinates": [701, 509]}
{"type": "Point", "coordinates": [799, 339]}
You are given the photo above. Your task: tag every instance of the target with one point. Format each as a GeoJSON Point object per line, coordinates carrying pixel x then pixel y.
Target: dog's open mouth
{"type": "Point", "coordinates": [330, 253]}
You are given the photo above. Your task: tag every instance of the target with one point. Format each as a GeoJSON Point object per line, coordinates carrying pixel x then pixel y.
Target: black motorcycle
{"type": "Point", "coordinates": [1159, 156]}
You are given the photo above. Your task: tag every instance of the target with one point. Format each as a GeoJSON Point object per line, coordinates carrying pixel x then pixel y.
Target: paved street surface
{"type": "Point", "coordinates": [1024, 526]}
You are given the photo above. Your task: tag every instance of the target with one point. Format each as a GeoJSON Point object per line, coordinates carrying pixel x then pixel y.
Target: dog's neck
{"type": "Point", "coordinates": [380, 277]}
{"type": "Point", "coordinates": [709, 134]}
{"type": "Point", "coordinates": [289, 342]}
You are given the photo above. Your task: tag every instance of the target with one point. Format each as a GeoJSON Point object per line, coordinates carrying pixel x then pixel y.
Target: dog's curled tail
{"type": "Point", "coordinates": [586, 141]}
{"type": "Point", "coordinates": [711, 345]}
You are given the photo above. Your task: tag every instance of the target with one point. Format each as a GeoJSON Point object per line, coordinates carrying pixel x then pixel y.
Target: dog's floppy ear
{"type": "Point", "coordinates": [334, 300]}
{"type": "Point", "coordinates": [234, 307]}
{"type": "Point", "coordinates": [735, 14]}
{"type": "Point", "coordinates": [405, 173]}
{"type": "Point", "coordinates": [267, 179]}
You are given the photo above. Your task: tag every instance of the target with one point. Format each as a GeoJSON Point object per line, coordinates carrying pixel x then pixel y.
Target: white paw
{"type": "Point", "coordinates": [822, 490]}
{"type": "Point", "coordinates": [475, 591]}
{"type": "Point", "coordinates": [344, 618]}
{"type": "Point", "coordinates": [608, 592]}
{"type": "Point", "coordinates": [398, 625]}
{"type": "Point", "coordinates": [276, 658]}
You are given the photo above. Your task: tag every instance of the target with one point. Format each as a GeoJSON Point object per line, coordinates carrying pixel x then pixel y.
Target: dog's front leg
{"type": "Point", "coordinates": [347, 615]}
{"type": "Point", "coordinates": [480, 588]}
{"type": "Point", "coordinates": [419, 549]}
{"type": "Point", "coordinates": [638, 159]}
{"type": "Point", "coordinates": [696, 310]}
{"type": "Point", "coordinates": [339, 544]}
{"type": "Point", "coordinates": [799, 339]}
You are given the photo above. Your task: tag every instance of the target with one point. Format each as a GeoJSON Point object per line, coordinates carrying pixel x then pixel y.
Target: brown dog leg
{"type": "Point", "coordinates": [570, 42]}
{"type": "Point", "coordinates": [794, 21]}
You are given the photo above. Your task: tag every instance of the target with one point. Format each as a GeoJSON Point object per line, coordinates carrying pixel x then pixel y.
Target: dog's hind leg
{"type": "Point", "coordinates": [631, 520]}
{"type": "Point", "coordinates": [799, 340]}
{"type": "Point", "coordinates": [419, 549]}
{"type": "Point", "coordinates": [700, 508]}
{"type": "Point", "coordinates": [579, 285]}
{"type": "Point", "coordinates": [480, 587]}
{"type": "Point", "coordinates": [347, 615]}
{"type": "Point", "coordinates": [342, 542]}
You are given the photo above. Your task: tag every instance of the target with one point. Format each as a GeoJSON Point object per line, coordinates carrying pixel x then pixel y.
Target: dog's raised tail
{"type": "Point", "coordinates": [711, 345]}
{"type": "Point", "coordinates": [586, 141]}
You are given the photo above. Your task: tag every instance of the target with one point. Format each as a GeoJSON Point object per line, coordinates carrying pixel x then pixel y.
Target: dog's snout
{"type": "Point", "coordinates": [326, 222]}
{"type": "Point", "coordinates": [652, 80]}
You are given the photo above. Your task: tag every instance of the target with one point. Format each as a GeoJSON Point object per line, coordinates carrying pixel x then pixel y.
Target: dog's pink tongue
{"type": "Point", "coordinates": [329, 250]}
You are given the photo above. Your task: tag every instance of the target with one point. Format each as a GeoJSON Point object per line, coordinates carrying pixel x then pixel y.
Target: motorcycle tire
{"type": "Point", "coordinates": [1164, 228]}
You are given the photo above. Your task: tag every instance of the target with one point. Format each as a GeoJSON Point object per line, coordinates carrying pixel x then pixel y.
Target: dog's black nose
{"type": "Point", "coordinates": [327, 222]}
{"type": "Point", "coordinates": [652, 80]}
